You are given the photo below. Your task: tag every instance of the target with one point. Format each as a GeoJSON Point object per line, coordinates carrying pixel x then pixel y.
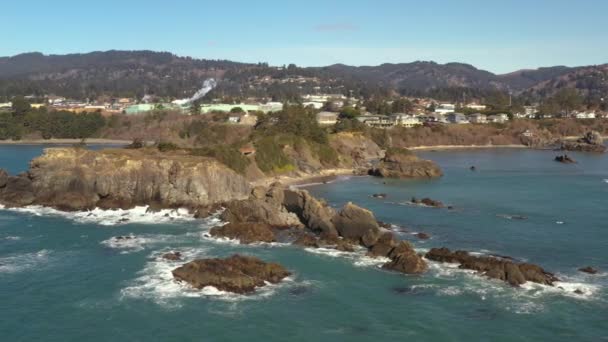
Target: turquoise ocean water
{"type": "Point", "coordinates": [63, 278]}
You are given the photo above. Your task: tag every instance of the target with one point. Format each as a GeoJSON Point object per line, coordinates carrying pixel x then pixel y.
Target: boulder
{"type": "Point", "coordinates": [385, 244]}
{"type": "Point", "coordinates": [258, 211]}
{"type": "Point", "coordinates": [245, 232]}
{"type": "Point", "coordinates": [237, 274]}
{"type": "Point", "coordinates": [504, 269]}
{"type": "Point", "coordinates": [173, 256]}
{"type": "Point", "coordinates": [565, 159]}
{"type": "Point", "coordinates": [402, 163]}
{"type": "Point", "coordinates": [423, 236]}
{"type": "Point", "coordinates": [592, 138]}
{"type": "Point", "coordinates": [313, 213]}
{"type": "Point", "coordinates": [307, 240]}
{"type": "Point", "coordinates": [380, 196]}
{"type": "Point", "coordinates": [17, 192]}
{"type": "Point", "coordinates": [3, 178]}
{"type": "Point", "coordinates": [405, 260]}
{"type": "Point", "coordinates": [207, 210]}
{"type": "Point", "coordinates": [357, 224]}
{"type": "Point", "coordinates": [588, 269]}
{"type": "Point", "coordinates": [591, 142]}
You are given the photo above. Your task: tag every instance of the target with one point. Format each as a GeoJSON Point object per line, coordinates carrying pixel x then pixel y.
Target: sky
{"type": "Point", "coordinates": [498, 36]}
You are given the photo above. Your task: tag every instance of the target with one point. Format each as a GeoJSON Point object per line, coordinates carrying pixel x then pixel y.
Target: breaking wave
{"type": "Point", "coordinates": [22, 262]}
{"type": "Point", "coordinates": [102, 217]}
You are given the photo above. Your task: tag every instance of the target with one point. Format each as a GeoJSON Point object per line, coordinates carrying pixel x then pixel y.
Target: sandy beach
{"type": "Point", "coordinates": [320, 177]}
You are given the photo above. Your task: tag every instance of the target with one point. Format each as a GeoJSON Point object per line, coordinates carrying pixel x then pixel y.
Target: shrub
{"type": "Point", "coordinates": [226, 155]}
{"type": "Point", "coordinates": [166, 146]}
{"type": "Point", "coordinates": [270, 156]}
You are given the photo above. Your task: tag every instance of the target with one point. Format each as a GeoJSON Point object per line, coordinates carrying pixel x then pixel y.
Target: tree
{"type": "Point", "coordinates": [237, 110]}
{"type": "Point", "coordinates": [349, 113]}
{"type": "Point", "coordinates": [568, 99]}
{"type": "Point", "coordinates": [195, 108]}
{"type": "Point", "coordinates": [20, 105]}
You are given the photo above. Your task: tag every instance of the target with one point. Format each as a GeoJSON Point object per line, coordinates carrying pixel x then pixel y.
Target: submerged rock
{"type": "Point", "coordinates": [499, 268]}
{"type": "Point", "coordinates": [237, 274]}
{"type": "Point", "coordinates": [565, 159]}
{"type": "Point", "coordinates": [3, 178]}
{"type": "Point", "coordinates": [246, 233]}
{"type": "Point", "coordinates": [402, 163]}
{"type": "Point", "coordinates": [380, 196]}
{"type": "Point", "coordinates": [423, 236]}
{"type": "Point", "coordinates": [588, 269]}
{"type": "Point", "coordinates": [427, 202]}
{"type": "Point", "coordinates": [173, 256]}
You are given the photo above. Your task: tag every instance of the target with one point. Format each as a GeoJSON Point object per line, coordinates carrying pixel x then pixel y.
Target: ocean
{"type": "Point", "coordinates": [64, 278]}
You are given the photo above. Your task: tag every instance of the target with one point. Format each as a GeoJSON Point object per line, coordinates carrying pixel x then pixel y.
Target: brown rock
{"type": "Point", "coordinates": [17, 192]}
{"type": "Point", "coordinates": [357, 224]}
{"type": "Point", "coordinates": [173, 256]}
{"type": "Point", "coordinates": [238, 274]}
{"type": "Point", "coordinates": [401, 163]}
{"type": "Point", "coordinates": [423, 236]}
{"type": "Point", "coordinates": [499, 268]}
{"type": "Point", "coordinates": [246, 233]}
{"type": "Point", "coordinates": [3, 178]}
{"type": "Point", "coordinates": [307, 240]}
{"type": "Point", "coordinates": [385, 244]}
{"type": "Point", "coordinates": [258, 211]}
{"type": "Point", "coordinates": [405, 260]}
{"type": "Point", "coordinates": [313, 213]}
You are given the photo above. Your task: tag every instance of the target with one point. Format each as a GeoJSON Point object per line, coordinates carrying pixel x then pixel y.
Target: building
{"type": "Point", "coordinates": [476, 106]}
{"type": "Point", "coordinates": [139, 108]}
{"type": "Point", "coordinates": [327, 118]}
{"type": "Point", "coordinates": [498, 118]}
{"type": "Point", "coordinates": [478, 118]}
{"type": "Point", "coordinates": [6, 105]}
{"type": "Point", "coordinates": [530, 111]}
{"type": "Point", "coordinates": [457, 118]}
{"type": "Point", "coordinates": [377, 121]}
{"type": "Point", "coordinates": [243, 119]}
{"type": "Point", "coordinates": [315, 105]}
{"type": "Point", "coordinates": [445, 108]}
{"type": "Point", "coordinates": [406, 120]}
{"type": "Point", "coordinates": [585, 115]}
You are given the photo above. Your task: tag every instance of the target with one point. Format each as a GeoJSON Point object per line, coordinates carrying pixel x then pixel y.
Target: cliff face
{"type": "Point", "coordinates": [355, 149]}
{"type": "Point", "coordinates": [75, 179]}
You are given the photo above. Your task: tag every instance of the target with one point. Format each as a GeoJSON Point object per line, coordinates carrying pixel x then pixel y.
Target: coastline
{"type": "Point", "coordinates": [64, 142]}
{"type": "Point", "coordinates": [463, 147]}
{"type": "Point", "coordinates": [320, 177]}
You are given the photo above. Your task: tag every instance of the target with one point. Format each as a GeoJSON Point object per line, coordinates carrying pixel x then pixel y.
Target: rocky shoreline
{"type": "Point", "coordinates": [79, 180]}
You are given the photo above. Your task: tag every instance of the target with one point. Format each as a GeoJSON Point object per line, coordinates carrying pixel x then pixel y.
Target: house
{"type": "Point", "coordinates": [377, 121]}
{"type": "Point", "coordinates": [475, 106]}
{"type": "Point", "coordinates": [478, 118]}
{"type": "Point", "coordinates": [243, 119]}
{"type": "Point", "coordinates": [406, 120]}
{"type": "Point", "coordinates": [433, 118]}
{"type": "Point", "coordinates": [498, 118]}
{"type": "Point", "coordinates": [445, 108]}
{"type": "Point", "coordinates": [139, 108]}
{"type": "Point", "coordinates": [6, 105]}
{"type": "Point", "coordinates": [327, 118]}
{"type": "Point", "coordinates": [585, 115]}
{"type": "Point", "coordinates": [530, 111]}
{"type": "Point", "coordinates": [457, 118]}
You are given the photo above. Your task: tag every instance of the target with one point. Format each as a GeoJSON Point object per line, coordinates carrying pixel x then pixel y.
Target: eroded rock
{"type": "Point", "coordinates": [237, 274]}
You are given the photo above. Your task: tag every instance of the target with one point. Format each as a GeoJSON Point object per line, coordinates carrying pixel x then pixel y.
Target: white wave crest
{"type": "Point", "coordinates": [102, 217]}
{"type": "Point", "coordinates": [21, 262]}
{"type": "Point", "coordinates": [358, 257]}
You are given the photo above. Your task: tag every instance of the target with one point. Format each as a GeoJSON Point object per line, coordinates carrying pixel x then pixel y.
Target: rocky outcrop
{"type": "Point", "coordinates": [405, 260]}
{"type": "Point", "coordinates": [355, 149]}
{"type": "Point", "coordinates": [3, 178]}
{"type": "Point", "coordinates": [401, 163]}
{"type": "Point", "coordinates": [246, 233]}
{"type": "Point", "coordinates": [78, 179]}
{"type": "Point", "coordinates": [254, 210]}
{"type": "Point", "coordinates": [565, 159]}
{"type": "Point", "coordinates": [591, 142]}
{"type": "Point", "coordinates": [313, 213]}
{"type": "Point", "coordinates": [498, 268]}
{"type": "Point", "coordinates": [237, 274]}
{"type": "Point", "coordinates": [357, 224]}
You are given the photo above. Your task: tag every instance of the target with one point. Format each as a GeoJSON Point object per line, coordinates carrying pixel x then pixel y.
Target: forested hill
{"type": "Point", "coordinates": [135, 73]}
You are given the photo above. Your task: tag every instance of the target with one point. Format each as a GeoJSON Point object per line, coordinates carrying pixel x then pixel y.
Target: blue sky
{"type": "Point", "coordinates": [499, 36]}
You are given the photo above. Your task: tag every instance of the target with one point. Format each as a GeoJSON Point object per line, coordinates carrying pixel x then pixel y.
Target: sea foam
{"type": "Point", "coordinates": [102, 217]}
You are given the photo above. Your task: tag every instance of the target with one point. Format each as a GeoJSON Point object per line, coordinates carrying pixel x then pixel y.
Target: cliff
{"type": "Point", "coordinates": [77, 179]}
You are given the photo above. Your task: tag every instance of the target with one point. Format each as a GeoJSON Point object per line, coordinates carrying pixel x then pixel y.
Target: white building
{"type": "Point", "coordinates": [457, 118]}
{"type": "Point", "coordinates": [445, 108]}
{"type": "Point", "coordinates": [327, 118]}
{"type": "Point", "coordinates": [476, 106]}
{"type": "Point", "coordinates": [406, 120]}
{"type": "Point", "coordinates": [498, 118]}
{"type": "Point", "coordinates": [478, 118]}
{"type": "Point", "coordinates": [585, 115]}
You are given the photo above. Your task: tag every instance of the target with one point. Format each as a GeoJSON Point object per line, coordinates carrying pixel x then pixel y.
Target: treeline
{"type": "Point", "coordinates": [50, 124]}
